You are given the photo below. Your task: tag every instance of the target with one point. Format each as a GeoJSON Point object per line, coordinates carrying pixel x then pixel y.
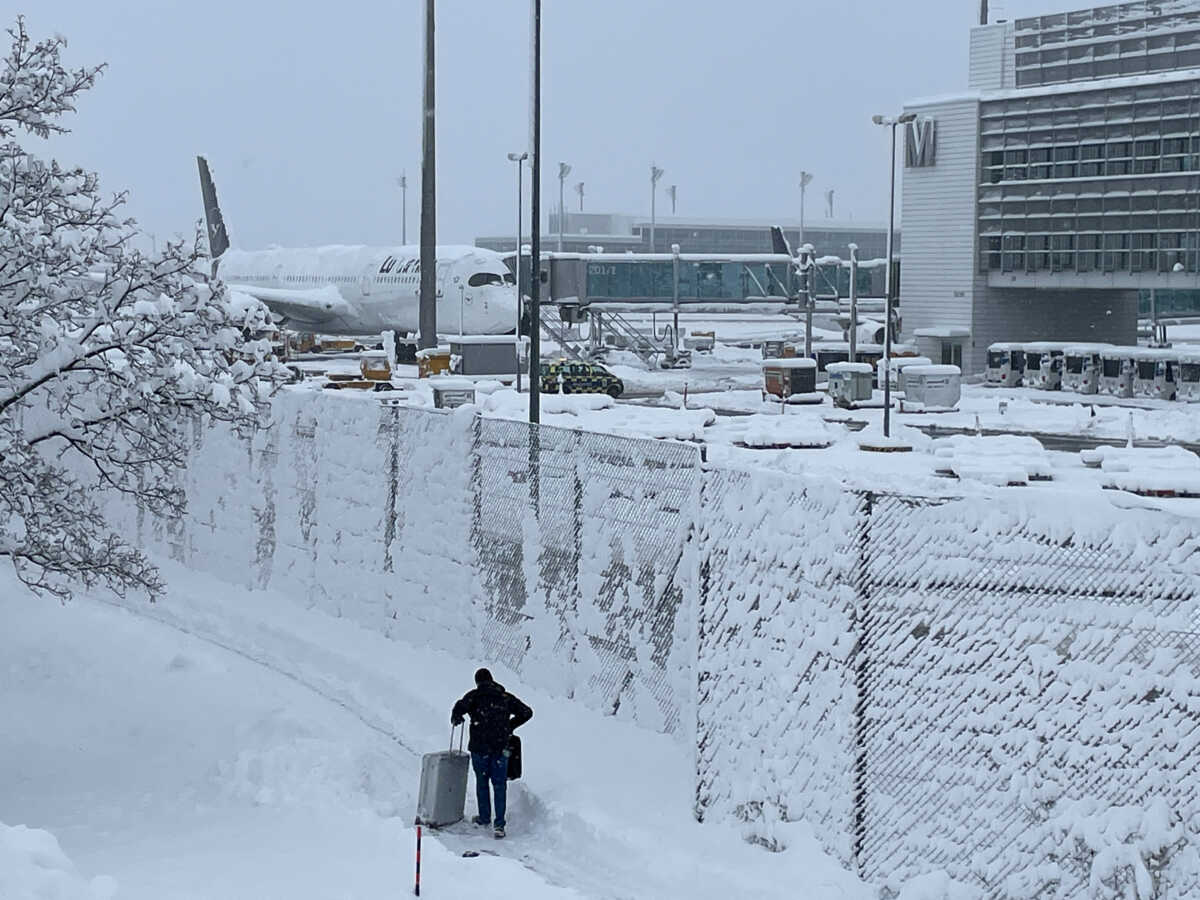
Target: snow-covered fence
{"type": "Point", "coordinates": [1006, 689]}
{"type": "Point", "coordinates": [563, 554]}
{"type": "Point", "coordinates": [586, 564]}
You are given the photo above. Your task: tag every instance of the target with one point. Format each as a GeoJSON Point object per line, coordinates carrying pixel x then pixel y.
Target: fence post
{"type": "Point", "coordinates": [861, 665]}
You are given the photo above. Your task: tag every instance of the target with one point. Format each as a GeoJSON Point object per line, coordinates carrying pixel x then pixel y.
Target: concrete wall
{"type": "Point", "coordinates": [938, 279]}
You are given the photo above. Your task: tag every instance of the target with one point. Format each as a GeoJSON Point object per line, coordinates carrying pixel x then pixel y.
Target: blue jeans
{"type": "Point", "coordinates": [491, 767]}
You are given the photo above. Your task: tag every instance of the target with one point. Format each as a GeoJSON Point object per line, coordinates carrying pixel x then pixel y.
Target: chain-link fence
{"type": "Point", "coordinates": [1019, 706]}
{"type": "Point", "coordinates": [1006, 687]}
{"type": "Point", "coordinates": [580, 539]}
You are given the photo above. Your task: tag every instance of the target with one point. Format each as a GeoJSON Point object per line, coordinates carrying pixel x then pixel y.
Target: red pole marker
{"type": "Point", "coordinates": [417, 885]}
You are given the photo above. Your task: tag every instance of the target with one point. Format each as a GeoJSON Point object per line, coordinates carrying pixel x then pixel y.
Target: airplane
{"type": "Point", "coordinates": [356, 290]}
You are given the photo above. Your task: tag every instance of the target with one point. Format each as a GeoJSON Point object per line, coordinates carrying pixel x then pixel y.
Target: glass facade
{"type": "Point", "coordinates": [719, 281]}
{"type": "Point", "coordinates": [1107, 42]}
{"type": "Point", "coordinates": [1103, 179]}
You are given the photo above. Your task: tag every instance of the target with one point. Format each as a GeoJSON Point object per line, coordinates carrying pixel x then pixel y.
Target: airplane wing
{"type": "Point", "coordinates": [311, 306]}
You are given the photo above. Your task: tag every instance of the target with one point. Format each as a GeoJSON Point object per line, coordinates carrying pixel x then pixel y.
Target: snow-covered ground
{"type": "Point", "coordinates": [230, 744]}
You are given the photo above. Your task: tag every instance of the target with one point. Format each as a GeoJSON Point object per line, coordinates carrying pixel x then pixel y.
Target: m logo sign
{"type": "Point", "coordinates": [920, 143]}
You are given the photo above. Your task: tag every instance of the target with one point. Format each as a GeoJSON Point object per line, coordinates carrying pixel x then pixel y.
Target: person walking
{"type": "Point", "coordinates": [495, 715]}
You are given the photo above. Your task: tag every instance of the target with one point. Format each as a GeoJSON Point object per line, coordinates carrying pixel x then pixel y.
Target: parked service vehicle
{"type": "Point", "coordinates": [1081, 367]}
{"type": "Point", "coordinates": [1043, 365]}
{"type": "Point", "coordinates": [1187, 382]}
{"type": "Point", "coordinates": [1154, 373]}
{"type": "Point", "coordinates": [579, 378]}
{"type": "Point", "coordinates": [1116, 371]}
{"type": "Point", "coordinates": [1005, 365]}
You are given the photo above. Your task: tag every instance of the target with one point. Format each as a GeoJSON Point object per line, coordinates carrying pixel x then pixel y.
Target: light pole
{"type": "Point", "coordinates": [535, 228]}
{"type": "Point", "coordinates": [563, 171]}
{"type": "Point", "coordinates": [671, 193]}
{"type": "Point", "coordinates": [518, 158]}
{"type": "Point", "coordinates": [889, 122]}
{"type": "Point", "coordinates": [402, 181]}
{"type": "Point", "coordinates": [805, 180]}
{"type": "Point", "coordinates": [655, 174]}
{"type": "Point", "coordinates": [427, 311]}
{"type": "Point", "coordinates": [579, 191]}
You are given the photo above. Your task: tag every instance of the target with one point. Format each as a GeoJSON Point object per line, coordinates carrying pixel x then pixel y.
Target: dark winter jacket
{"type": "Point", "coordinates": [495, 714]}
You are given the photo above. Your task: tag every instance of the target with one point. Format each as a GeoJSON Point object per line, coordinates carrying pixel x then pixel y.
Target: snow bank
{"type": "Point", "coordinates": [34, 867]}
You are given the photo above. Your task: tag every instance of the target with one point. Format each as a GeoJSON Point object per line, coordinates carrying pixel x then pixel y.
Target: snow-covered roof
{"type": "Point", "coordinates": [1086, 349]}
{"type": "Point", "coordinates": [839, 367]}
{"type": "Point", "coordinates": [931, 370]}
{"type": "Point", "coordinates": [798, 362]}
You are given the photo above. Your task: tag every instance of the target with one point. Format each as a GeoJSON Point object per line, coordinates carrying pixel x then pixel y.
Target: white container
{"type": "Point", "coordinates": [897, 367]}
{"type": "Point", "coordinates": [1081, 367]}
{"type": "Point", "coordinates": [849, 383]}
{"type": "Point", "coordinates": [932, 388]}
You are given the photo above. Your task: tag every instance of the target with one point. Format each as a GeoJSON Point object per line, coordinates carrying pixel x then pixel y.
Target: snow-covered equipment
{"type": "Point", "coordinates": [375, 367]}
{"type": "Point", "coordinates": [791, 380]}
{"type": "Point", "coordinates": [931, 388]}
{"type": "Point", "coordinates": [433, 361]}
{"type": "Point", "coordinates": [1187, 382]}
{"type": "Point", "coordinates": [701, 341]}
{"type": "Point", "coordinates": [1044, 365]}
{"type": "Point", "coordinates": [450, 392]}
{"type": "Point", "coordinates": [1081, 367]}
{"type": "Point", "coordinates": [1002, 459]}
{"type": "Point", "coordinates": [485, 354]}
{"type": "Point", "coordinates": [896, 369]}
{"type": "Point", "coordinates": [849, 383]}
{"type": "Point", "coordinates": [1154, 373]}
{"type": "Point", "coordinates": [443, 792]}
{"type": "Point", "coordinates": [1116, 371]}
{"type": "Point", "coordinates": [1005, 365]}
{"type": "Point", "coordinates": [1149, 471]}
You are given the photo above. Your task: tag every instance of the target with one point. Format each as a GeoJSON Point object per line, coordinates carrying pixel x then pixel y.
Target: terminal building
{"type": "Point", "coordinates": [582, 232]}
{"type": "Point", "coordinates": [1064, 182]}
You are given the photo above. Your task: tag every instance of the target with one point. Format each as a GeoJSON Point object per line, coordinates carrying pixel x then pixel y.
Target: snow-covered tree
{"type": "Point", "coordinates": [106, 353]}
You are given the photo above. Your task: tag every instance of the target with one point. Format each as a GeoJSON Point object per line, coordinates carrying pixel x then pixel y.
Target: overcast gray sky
{"type": "Point", "coordinates": [308, 112]}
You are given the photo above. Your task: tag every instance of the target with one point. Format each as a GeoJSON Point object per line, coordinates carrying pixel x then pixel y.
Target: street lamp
{"type": "Point", "coordinates": [563, 171]}
{"type": "Point", "coordinates": [655, 174]}
{"type": "Point", "coordinates": [579, 191]}
{"type": "Point", "coordinates": [805, 180]}
{"type": "Point", "coordinates": [403, 182]}
{"type": "Point", "coordinates": [889, 122]}
{"type": "Point", "coordinates": [671, 192]}
{"type": "Point", "coordinates": [518, 158]}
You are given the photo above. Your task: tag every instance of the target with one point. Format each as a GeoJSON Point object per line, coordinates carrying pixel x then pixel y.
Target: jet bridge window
{"type": "Point", "coordinates": [479, 279]}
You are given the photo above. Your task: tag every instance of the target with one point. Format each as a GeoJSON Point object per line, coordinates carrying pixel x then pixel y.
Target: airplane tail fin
{"type": "Point", "coordinates": [779, 242]}
{"type": "Point", "coordinates": [218, 237]}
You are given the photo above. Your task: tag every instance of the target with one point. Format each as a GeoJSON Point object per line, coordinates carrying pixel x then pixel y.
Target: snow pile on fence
{"type": "Point", "coordinates": [34, 867]}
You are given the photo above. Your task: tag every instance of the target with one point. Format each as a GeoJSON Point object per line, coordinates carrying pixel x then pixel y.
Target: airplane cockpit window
{"type": "Point", "coordinates": [479, 279]}
{"type": "Point", "coordinates": [509, 279]}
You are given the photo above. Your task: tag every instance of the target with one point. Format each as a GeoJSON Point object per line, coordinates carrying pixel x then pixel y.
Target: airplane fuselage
{"type": "Point", "coordinates": [351, 290]}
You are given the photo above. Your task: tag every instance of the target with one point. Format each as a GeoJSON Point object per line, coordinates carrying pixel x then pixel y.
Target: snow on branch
{"type": "Point", "coordinates": [106, 354]}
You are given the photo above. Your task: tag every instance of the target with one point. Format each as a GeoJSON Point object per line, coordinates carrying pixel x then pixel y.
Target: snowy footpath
{"type": "Point", "coordinates": [229, 744]}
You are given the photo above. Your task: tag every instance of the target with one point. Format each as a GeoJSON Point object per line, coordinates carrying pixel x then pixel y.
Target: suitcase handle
{"type": "Point", "coordinates": [461, 735]}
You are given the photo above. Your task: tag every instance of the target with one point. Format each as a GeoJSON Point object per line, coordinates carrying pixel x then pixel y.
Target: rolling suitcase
{"type": "Point", "coordinates": [443, 792]}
